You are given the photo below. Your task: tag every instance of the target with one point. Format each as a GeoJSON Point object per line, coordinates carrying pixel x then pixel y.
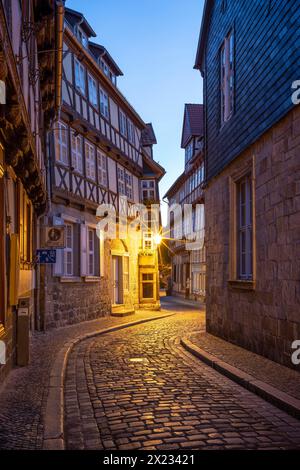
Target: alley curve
{"type": "Point", "coordinates": [137, 389]}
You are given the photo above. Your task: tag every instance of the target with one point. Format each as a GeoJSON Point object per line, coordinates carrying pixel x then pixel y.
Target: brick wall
{"type": "Point", "coordinates": [266, 320]}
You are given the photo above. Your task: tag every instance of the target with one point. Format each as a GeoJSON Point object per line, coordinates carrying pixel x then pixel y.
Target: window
{"type": "Point", "coordinates": [104, 104]}
{"type": "Point", "coordinates": [90, 161]}
{"type": "Point", "coordinates": [91, 252]}
{"type": "Point", "coordinates": [102, 169]}
{"type": "Point", "coordinates": [147, 241]}
{"type": "Point", "coordinates": [227, 78]}
{"type": "Point", "coordinates": [148, 285]}
{"type": "Point", "coordinates": [244, 226]}
{"type": "Point", "coordinates": [121, 181]}
{"type": "Point", "coordinates": [189, 152]}
{"type": "Point", "coordinates": [131, 137]}
{"type": "Point", "coordinates": [82, 37]}
{"type": "Point", "coordinates": [77, 159]}
{"type": "Point", "coordinates": [93, 91]}
{"type": "Point", "coordinates": [25, 227]}
{"type": "Point", "coordinates": [128, 183]}
{"type": "Point", "coordinates": [79, 77]}
{"type": "Point", "coordinates": [148, 190]}
{"type": "Point", "coordinates": [61, 143]}
{"type": "Point", "coordinates": [104, 67]}
{"type": "Point", "coordinates": [68, 250]}
{"type": "Point", "coordinates": [123, 128]}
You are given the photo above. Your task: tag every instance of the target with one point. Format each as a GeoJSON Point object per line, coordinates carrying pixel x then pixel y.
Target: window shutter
{"type": "Point", "coordinates": [58, 269]}
{"type": "Point", "coordinates": [96, 254]}
{"type": "Point", "coordinates": [102, 264]}
{"type": "Point", "coordinates": [83, 250]}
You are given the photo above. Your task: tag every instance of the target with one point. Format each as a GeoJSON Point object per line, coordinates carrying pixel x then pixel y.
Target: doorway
{"type": "Point", "coordinates": [117, 280]}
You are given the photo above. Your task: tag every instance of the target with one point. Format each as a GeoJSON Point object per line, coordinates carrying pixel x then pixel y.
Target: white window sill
{"type": "Point", "coordinates": [66, 279]}
{"type": "Point", "coordinates": [92, 278]}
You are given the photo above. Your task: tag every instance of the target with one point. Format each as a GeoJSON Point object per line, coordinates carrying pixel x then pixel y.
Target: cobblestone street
{"type": "Point", "coordinates": [138, 389]}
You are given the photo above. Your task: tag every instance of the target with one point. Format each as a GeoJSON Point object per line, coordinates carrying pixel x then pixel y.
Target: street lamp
{"type": "Point", "coordinates": [157, 239]}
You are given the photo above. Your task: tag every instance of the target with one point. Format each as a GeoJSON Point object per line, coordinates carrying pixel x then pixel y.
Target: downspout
{"type": "Point", "coordinates": [59, 30]}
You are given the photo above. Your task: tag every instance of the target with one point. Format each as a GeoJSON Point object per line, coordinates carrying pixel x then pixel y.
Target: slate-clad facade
{"type": "Point", "coordinates": [266, 61]}
{"type": "Point", "coordinates": [249, 56]}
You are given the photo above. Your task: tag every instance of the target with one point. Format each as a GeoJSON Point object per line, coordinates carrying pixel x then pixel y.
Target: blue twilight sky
{"type": "Point", "coordinates": [154, 42]}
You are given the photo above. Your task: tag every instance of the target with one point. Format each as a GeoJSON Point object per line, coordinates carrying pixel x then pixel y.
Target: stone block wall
{"type": "Point", "coordinates": [72, 302]}
{"type": "Point", "coordinates": [267, 319]}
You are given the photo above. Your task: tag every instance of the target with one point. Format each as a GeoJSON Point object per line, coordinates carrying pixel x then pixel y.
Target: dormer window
{"type": "Point", "coordinates": [82, 37]}
{"type": "Point", "coordinates": [104, 67]}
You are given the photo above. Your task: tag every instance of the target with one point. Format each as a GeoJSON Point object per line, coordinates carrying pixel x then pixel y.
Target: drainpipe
{"type": "Point", "coordinates": [59, 51]}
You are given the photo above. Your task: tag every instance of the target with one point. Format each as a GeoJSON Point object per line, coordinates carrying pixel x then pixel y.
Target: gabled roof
{"type": "Point", "coordinates": [76, 18]}
{"type": "Point", "coordinates": [192, 123]}
{"type": "Point", "coordinates": [98, 51]}
{"type": "Point", "coordinates": [175, 186]}
{"type": "Point", "coordinates": [148, 135]}
{"type": "Point", "coordinates": [208, 6]}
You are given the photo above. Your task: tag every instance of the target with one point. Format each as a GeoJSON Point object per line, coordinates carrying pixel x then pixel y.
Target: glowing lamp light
{"type": "Point", "coordinates": [157, 239]}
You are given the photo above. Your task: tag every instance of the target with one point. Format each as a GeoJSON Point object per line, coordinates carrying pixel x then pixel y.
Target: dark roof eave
{"type": "Point", "coordinates": [106, 53]}
{"type": "Point", "coordinates": [155, 165]}
{"type": "Point", "coordinates": [83, 19]}
{"type": "Point", "coordinates": [203, 34]}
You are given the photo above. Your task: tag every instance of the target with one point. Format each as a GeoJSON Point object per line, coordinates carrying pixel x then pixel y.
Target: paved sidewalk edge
{"type": "Point", "coordinates": [269, 393]}
{"type": "Point", "coordinates": [54, 412]}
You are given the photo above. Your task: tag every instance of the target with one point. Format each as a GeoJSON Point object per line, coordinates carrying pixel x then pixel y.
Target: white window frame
{"type": "Point", "coordinates": [90, 161]}
{"type": "Point", "coordinates": [227, 77]}
{"type": "Point", "coordinates": [148, 190]}
{"type": "Point", "coordinates": [189, 151]}
{"type": "Point", "coordinates": [245, 229]}
{"type": "Point", "coordinates": [123, 123]}
{"type": "Point", "coordinates": [69, 251]}
{"type": "Point", "coordinates": [147, 241]}
{"type": "Point", "coordinates": [77, 152]}
{"type": "Point", "coordinates": [129, 185]}
{"type": "Point", "coordinates": [93, 95]}
{"type": "Point", "coordinates": [61, 143]}
{"type": "Point", "coordinates": [104, 108]}
{"type": "Point", "coordinates": [121, 181]}
{"type": "Point", "coordinates": [80, 77]}
{"type": "Point", "coordinates": [131, 132]}
{"type": "Point", "coordinates": [102, 167]}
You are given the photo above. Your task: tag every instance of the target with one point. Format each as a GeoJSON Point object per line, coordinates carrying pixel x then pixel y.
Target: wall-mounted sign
{"type": "Point", "coordinates": [46, 256]}
{"type": "Point", "coordinates": [55, 236]}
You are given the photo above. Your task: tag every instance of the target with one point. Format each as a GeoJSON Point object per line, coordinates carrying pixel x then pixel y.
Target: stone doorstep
{"type": "Point", "coordinates": [269, 393]}
{"type": "Point", "coordinates": [54, 412]}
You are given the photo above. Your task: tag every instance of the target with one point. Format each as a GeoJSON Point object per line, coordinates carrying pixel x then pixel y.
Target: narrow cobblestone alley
{"type": "Point", "coordinates": [137, 389]}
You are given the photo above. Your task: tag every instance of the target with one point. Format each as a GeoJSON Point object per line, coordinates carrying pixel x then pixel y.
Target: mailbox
{"type": "Point", "coordinates": [23, 332]}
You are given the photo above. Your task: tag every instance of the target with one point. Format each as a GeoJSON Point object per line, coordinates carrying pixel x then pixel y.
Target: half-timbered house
{"type": "Point", "coordinates": [188, 255]}
{"type": "Point", "coordinates": [30, 38]}
{"type": "Point", "coordinates": [100, 153]}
